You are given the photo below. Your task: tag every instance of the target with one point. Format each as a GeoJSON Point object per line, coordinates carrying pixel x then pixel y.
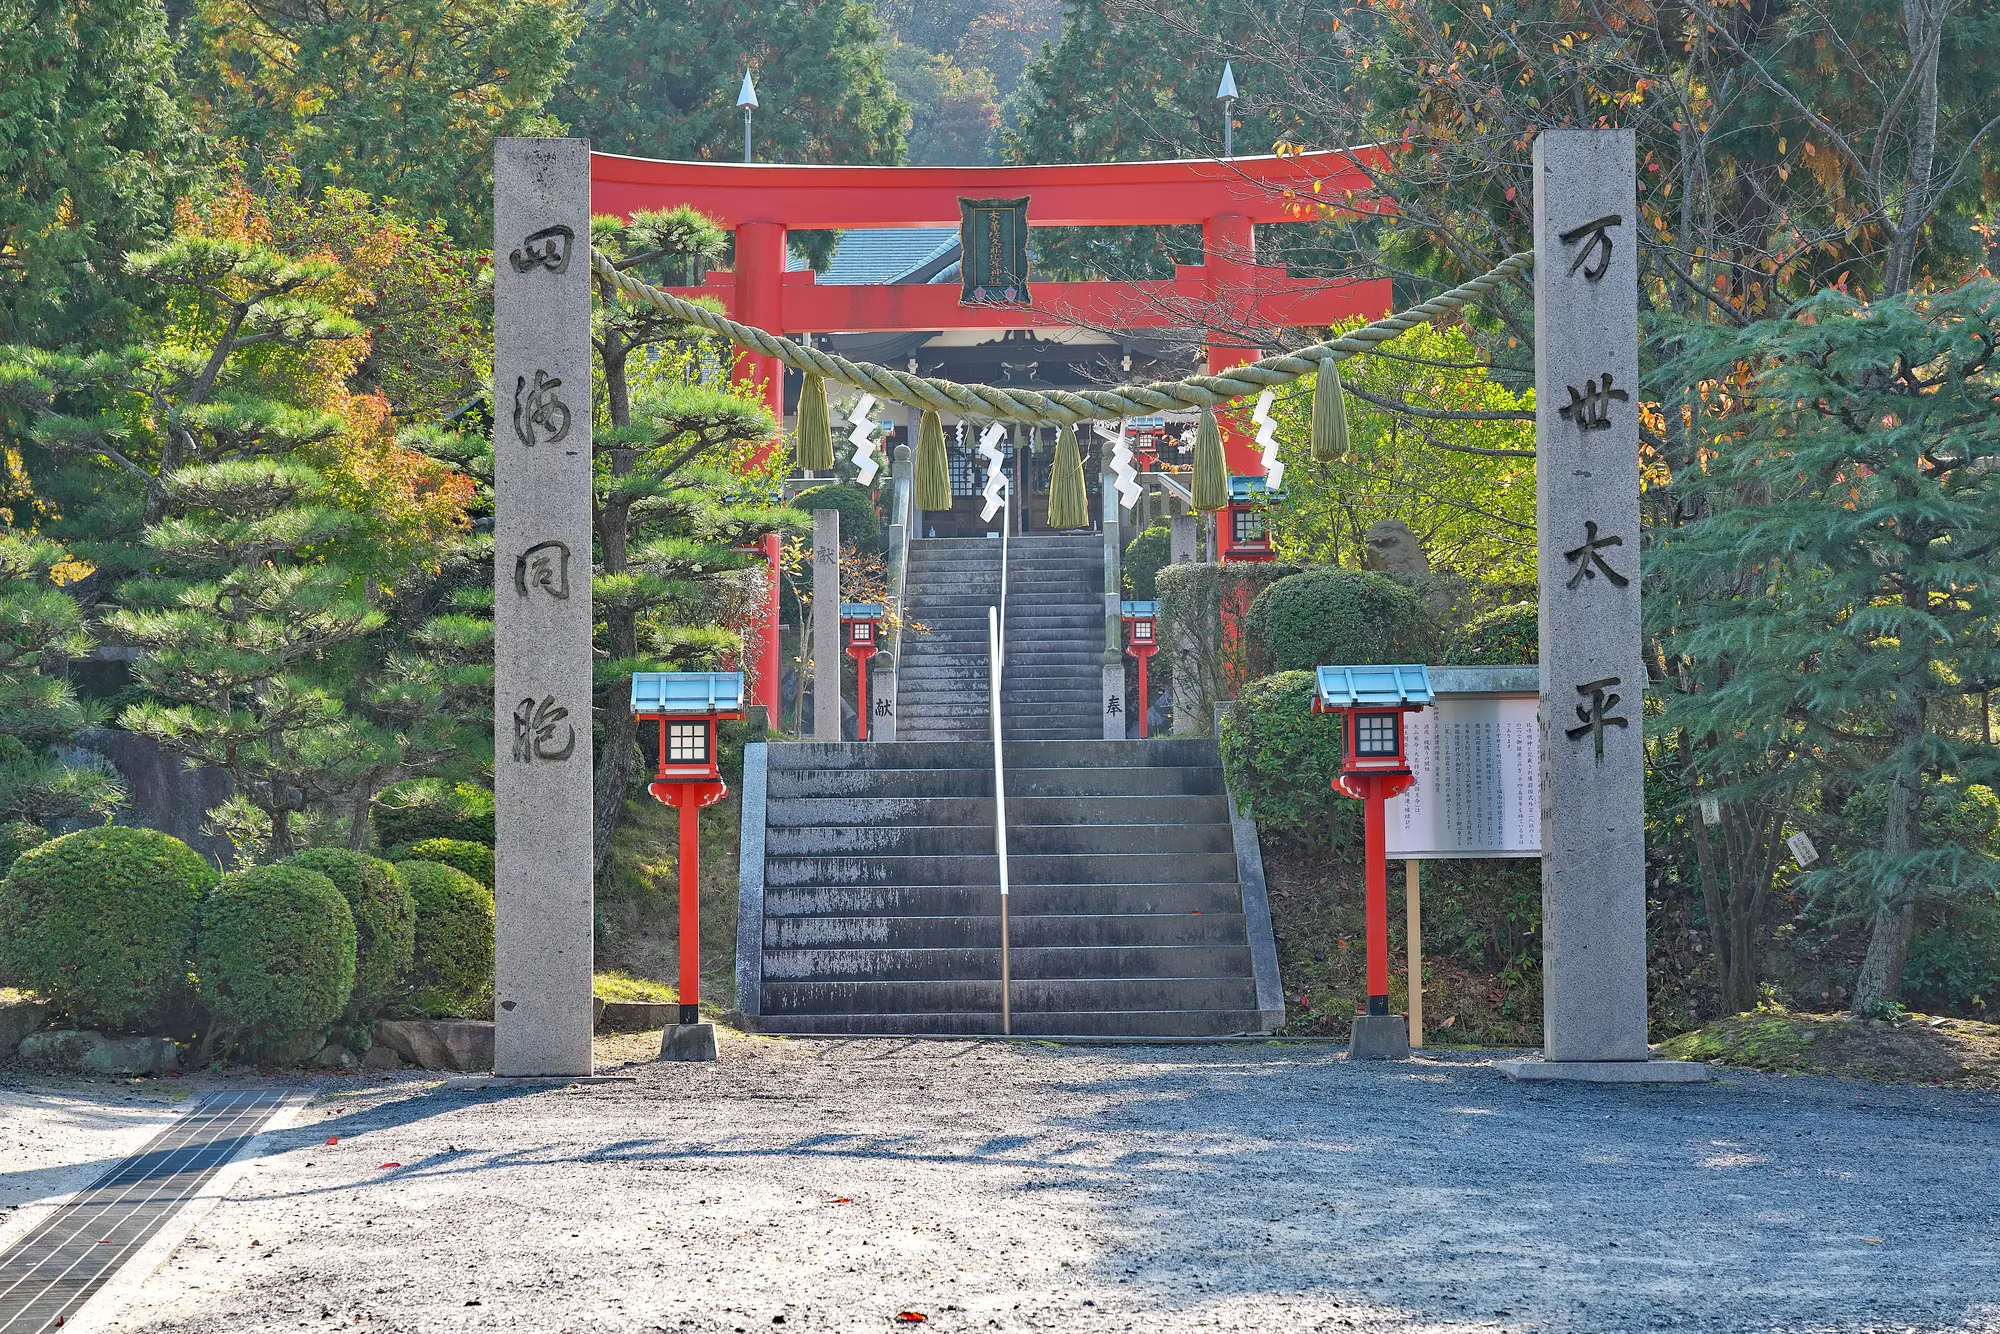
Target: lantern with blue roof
{"type": "Point", "coordinates": [688, 706]}
{"type": "Point", "coordinates": [1373, 702]}
{"type": "Point", "coordinates": [860, 624]}
{"type": "Point", "coordinates": [1142, 641]}
{"type": "Point", "coordinates": [1245, 525]}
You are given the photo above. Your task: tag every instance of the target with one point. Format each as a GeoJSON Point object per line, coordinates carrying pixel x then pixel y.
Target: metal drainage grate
{"type": "Point", "coordinates": [54, 1270]}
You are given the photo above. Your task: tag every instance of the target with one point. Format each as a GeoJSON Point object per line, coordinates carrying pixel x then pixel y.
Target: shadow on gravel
{"type": "Point", "coordinates": [1450, 1193]}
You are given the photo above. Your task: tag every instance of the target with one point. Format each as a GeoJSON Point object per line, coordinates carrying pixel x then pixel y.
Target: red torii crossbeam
{"type": "Point", "coordinates": [1228, 293]}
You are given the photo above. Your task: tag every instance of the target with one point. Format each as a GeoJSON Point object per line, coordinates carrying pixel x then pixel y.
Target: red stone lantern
{"type": "Point", "coordinates": [859, 624]}
{"type": "Point", "coordinates": [1373, 701]}
{"type": "Point", "coordinates": [688, 706]}
{"type": "Point", "coordinates": [1142, 641]}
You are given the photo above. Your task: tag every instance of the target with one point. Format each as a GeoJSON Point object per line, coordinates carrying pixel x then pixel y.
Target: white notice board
{"type": "Point", "coordinates": [1478, 792]}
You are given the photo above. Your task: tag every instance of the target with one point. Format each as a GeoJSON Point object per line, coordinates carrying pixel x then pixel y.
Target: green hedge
{"type": "Point", "coordinates": [1334, 616]}
{"type": "Point", "coordinates": [1504, 637]}
{"type": "Point", "coordinates": [101, 922]}
{"type": "Point", "coordinates": [432, 808]}
{"type": "Point", "coordinates": [277, 953]}
{"type": "Point", "coordinates": [1281, 759]}
{"type": "Point", "coordinates": [475, 859]}
{"type": "Point", "coordinates": [1208, 663]}
{"type": "Point", "coordinates": [1145, 556]}
{"type": "Point", "coordinates": [859, 523]}
{"type": "Point", "coordinates": [453, 973]}
{"type": "Point", "coordinates": [384, 920]}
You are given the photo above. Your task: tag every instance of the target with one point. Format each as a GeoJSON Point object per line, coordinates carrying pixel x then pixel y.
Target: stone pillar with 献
{"type": "Point", "coordinates": [1593, 678]}
{"type": "Point", "coordinates": [826, 652]}
{"type": "Point", "coordinates": [1181, 542]}
{"type": "Point", "coordinates": [542, 766]}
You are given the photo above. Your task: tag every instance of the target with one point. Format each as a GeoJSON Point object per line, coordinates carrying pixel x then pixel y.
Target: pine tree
{"type": "Point", "coordinates": [1851, 501]}
{"type": "Point", "coordinates": [680, 506]}
{"type": "Point", "coordinates": [269, 501]}
{"type": "Point", "coordinates": [88, 131]}
{"type": "Point", "coordinates": [40, 627]}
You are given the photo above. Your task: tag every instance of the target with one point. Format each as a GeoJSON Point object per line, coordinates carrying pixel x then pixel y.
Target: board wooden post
{"type": "Point", "coordinates": [1413, 915]}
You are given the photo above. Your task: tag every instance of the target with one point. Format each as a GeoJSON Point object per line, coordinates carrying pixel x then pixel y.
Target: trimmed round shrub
{"type": "Point", "coordinates": [432, 808]}
{"type": "Point", "coordinates": [385, 930]}
{"type": "Point", "coordinates": [1281, 759]}
{"type": "Point", "coordinates": [859, 523]}
{"type": "Point", "coordinates": [277, 953]}
{"type": "Point", "coordinates": [1144, 557]}
{"type": "Point", "coordinates": [475, 859]}
{"type": "Point", "coordinates": [101, 922]}
{"type": "Point", "coordinates": [1504, 637]}
{"type": "Point", "coordinates": [1334, 616]}
{"type": "Point", "coordinates": [453, 973]}
{"type": "Point", "coordinates": [17, 838]}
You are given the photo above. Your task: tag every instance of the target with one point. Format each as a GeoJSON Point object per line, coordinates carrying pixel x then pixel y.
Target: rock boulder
{"type": "Point", "coordinates": [462, 1045]}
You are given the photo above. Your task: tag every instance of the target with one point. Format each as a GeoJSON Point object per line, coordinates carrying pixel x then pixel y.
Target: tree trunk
{"type": "Point", "coordinates": [281, 835]}
{"type": "Point", "coordinates": [1881, 977]}
{"type": "Point", "coordinates": [1923, 23]}
{"type": "Point", "coordinates": [357, 823]}
{"type": "Point", "coordinates": [617, 761]}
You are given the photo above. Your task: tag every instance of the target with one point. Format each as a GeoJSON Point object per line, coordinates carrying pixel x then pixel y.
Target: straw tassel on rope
{"type": "Point", "coordinates": [1329, 414]}
{"type": "Point", "coordinates": [1211, 473]}
{"type": "Point", "coordinates": [814, 448]}
{"type": "Point", "coordinates": [1069, 506]}
{"type": "Point", "coordinates": [933, 491]}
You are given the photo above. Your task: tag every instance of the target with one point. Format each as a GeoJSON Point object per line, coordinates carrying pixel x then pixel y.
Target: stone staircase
{"type": "Point", "coordinates": [1052, 685]}
{"type": "Point", "coordinates": [870, 900]}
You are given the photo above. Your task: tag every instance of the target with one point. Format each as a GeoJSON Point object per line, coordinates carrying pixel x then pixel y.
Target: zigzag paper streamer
{"type": "Point", "coordinates": [863, 436]}
{"type": "Point", "coordinates": [995, 492]}
{"type": "Point", "coordinates": [1267, 436]}
{"type": "Point", "coordinates": [1129, 489]}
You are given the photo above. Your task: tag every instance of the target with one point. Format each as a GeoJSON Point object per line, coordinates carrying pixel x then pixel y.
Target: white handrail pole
{"type": "Point", "coordinates": [999, 810]}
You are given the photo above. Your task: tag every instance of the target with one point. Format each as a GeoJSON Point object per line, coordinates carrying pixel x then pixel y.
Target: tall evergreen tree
{"type": "Point", "coordinates": [402, 101]}
{"type": "Point", "coordinates": [659, 78]}
{"type": "Point", "coordinates": [1841, 571]}
{"type": "Point", "coordinates": [88, 135]}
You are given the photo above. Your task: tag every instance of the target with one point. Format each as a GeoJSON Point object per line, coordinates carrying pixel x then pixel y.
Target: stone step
{"type": "Point", "coordinates": [972, 868]}
{"type": "Point", "coordinates": [1067, 785]}
{"type": "Point", "coordinates": [1157, 752]}
{"type": "Point", "coordinates": [1065, 963]}
{"type": "Point", "coordinates": [1023, 931]}
{"type": "Point", "coordinates": [1023, 840]}
{"type": "Point", "coordinates": [1191, 898]}
{"type": "Point", "coordinates": [1080, 995]}
{"type": "Point", "coordinates": [1026, 1023]}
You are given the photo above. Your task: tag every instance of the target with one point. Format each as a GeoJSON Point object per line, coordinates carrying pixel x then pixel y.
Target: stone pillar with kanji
{"type": "Point", "coordinates": [542, 769]}
{"type": "Point", "coordinates": [1593, 674]}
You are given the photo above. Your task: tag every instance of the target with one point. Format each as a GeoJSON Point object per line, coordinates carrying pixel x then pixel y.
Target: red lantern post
{"type": "Point", "coordinates": [1373, 701]}
{"type": "Point", "coordinates": [858, 621]}
{"type": "Point", "coordinates": [1142, 641]}
{"type": "Point", "coordinates": [687, 706]}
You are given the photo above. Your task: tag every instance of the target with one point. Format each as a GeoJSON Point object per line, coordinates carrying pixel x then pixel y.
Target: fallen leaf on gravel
{"type": "Point", "coordinates": [912, 1317]}
{"type": "Point", "coordinates": [386, 1166]}
{"type": "Point", "coordinates": [333, 1139]}
{"type": "Point", "coordinates": [840, 1199]}
{"type": "Point", "coordinates": [1873, 1241]}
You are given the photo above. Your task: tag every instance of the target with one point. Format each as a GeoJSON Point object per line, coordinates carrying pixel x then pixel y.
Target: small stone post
{"type": "Point", "coordinates": [826, 625]}
{"type": "Point", "coordinates": [1593, 673]}
{"type": "Point", "coordinates": [1181, 540]}
{"type": "Point", "coordinates": [542, 764]}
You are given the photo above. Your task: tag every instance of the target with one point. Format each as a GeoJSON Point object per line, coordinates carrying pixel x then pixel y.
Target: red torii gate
{"type": "Point", "coordinates": [1228, 292]}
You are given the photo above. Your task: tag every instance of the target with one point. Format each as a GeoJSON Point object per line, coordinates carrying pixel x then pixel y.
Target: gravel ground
{"type": "Point", "coordinates": [832, 1185]}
